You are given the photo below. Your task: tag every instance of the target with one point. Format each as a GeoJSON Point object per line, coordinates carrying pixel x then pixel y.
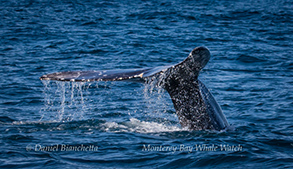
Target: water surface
{"type": "Point", "coordinates": [133, 125]}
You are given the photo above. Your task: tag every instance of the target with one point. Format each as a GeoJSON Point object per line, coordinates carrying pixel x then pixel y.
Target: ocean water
{"type": "Point", "coordinates": [130, 125]}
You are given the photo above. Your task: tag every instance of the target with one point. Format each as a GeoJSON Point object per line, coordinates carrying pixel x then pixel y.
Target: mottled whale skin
{"type": "Point", "coordinates": [195, 106]}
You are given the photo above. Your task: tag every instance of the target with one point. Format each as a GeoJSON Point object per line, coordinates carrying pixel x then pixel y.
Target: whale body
{"type": "Point", "coordinates": [195, 106]}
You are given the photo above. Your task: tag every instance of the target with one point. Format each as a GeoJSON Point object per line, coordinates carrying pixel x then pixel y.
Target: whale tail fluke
{"type": "Point", "coordinates": [194, 104]}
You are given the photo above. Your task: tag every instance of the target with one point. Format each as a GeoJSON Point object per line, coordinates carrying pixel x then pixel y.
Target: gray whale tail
{"type": "Point", "coordinates": [195, 106]}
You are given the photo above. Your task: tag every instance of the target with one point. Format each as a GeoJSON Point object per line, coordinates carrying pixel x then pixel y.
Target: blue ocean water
{"type": "Point", "coordinates": [130, 125]}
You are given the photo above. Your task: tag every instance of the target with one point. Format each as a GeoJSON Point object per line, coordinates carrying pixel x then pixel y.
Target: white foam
{"type": "Point", "coordinates": [138, 126]}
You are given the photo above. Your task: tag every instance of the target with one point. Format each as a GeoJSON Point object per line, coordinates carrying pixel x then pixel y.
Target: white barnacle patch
{"type": "Point", "coordinates": [140, 75]}
{"type": "Point", "coordinates": [61, 78]}
{"type": "Point", "coordinates": [72, 80]}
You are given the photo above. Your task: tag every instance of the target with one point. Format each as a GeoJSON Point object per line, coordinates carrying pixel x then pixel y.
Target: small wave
{"type": "Point", "coordinates": [6, 119]}
{"type": "Point", "coordinates": [249, 59]}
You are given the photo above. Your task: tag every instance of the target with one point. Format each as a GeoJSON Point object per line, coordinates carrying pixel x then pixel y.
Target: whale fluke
{"type": "Point", "coordinates": [195, 106]}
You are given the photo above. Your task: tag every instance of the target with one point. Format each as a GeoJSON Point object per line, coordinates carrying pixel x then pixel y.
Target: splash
{"type": "Point", "coordinates": [63, 101]}
{"type": "Point", "coordinates": [73, 101]}
{"type": "Point", "coordinates": [159, 105]}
